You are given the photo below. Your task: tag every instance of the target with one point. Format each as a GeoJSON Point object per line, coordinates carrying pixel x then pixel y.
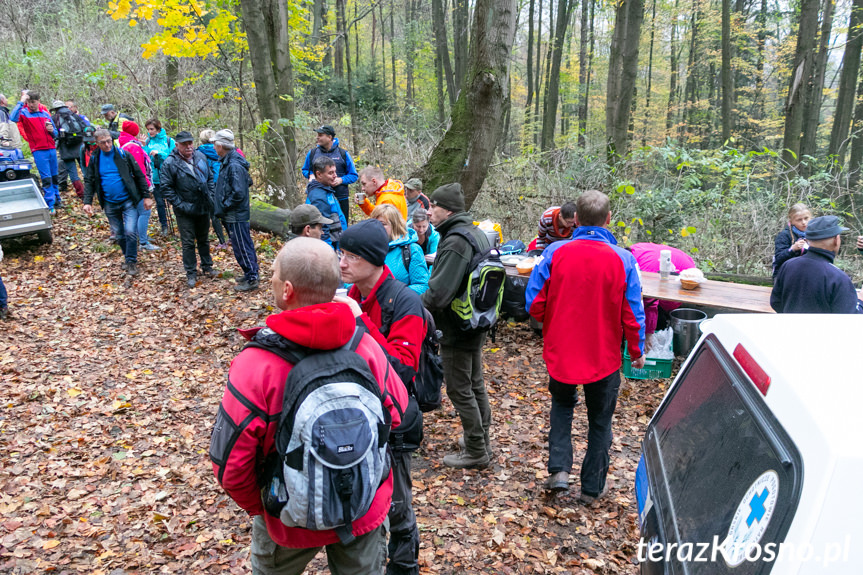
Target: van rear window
{"type": "Point", "coordinates": [712, 439]}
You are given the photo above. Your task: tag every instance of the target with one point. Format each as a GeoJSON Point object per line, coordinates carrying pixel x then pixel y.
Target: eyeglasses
{"type": "Point", "coordinates": [352, 258]}
{"type": "Point", "coordinates": [100, 142]}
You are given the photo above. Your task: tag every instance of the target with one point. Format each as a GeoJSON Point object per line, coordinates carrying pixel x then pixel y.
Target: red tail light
{"type": "Point", "coordinates": [758, 376]}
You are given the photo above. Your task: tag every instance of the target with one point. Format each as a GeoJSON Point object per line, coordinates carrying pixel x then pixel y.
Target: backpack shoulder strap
{"type": "Point", "coordinates": [406, 257]}
{"type": "Point", "coordinates": [344, 155]}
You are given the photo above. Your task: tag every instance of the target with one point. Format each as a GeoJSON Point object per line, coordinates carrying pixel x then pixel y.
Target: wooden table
{"type": "Point", "coordinates": [510, 270]}
{"type": "Point", "coordinates": [724, 295]}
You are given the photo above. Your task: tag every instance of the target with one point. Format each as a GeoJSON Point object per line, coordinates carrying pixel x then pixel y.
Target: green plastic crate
{"type": "Point", "coordinates": [653, 368]}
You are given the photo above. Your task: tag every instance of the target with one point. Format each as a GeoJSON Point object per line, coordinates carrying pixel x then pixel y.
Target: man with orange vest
{"type": "Point", "coordinates": [380, 190]}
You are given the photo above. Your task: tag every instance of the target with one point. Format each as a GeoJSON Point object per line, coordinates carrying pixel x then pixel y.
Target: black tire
{"type": "Point", "coordinates": [45, 236]}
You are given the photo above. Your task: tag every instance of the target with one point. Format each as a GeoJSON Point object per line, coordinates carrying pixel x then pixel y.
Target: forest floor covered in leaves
{"type": "Point", "coordinates": [109, 389]}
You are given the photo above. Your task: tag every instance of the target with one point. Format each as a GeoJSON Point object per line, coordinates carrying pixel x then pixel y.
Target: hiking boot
{"type": "Point", "coordinates": [4, 312]}
{"type": "Point", "coordinates": [464, 460]}
{"type": "Point", "coordinates": [124, 266]}
{"type": "Point", "coordinates": [211, 273]}
{"type": "Point", "coordinates": [132, 269]}
{"type": "Point", "coordinates": [487, 446]}
{"type": "Point", "coordinates": [149, 247]}
{"type": "Point", "coordinates": [191, 281]}
{"type": "Point", "coordinates": [558, 481]}
{"type": "Point", "coordinates": [247, 285]}
{"type": "Point", "coordinates": [164, 231]}
{"type": "Point", "coordinates": [591, 499]}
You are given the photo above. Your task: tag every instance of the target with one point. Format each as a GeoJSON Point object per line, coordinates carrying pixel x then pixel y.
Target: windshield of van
{"type": "Point", "coordinates": [713, 438]}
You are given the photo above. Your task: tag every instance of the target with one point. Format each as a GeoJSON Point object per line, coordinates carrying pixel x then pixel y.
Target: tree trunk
{"type": "Point", "coordinates": [691, 89]}
{"type": "Point", "coordinates": [727, 82]}
{"type": "Point", "coordinates": [392, 53]}
{"type": "Point", "coordinates": [530, 54]}
{"type": "Point", "coordinates": [267, 33]}
{"type": "Point", "coordinates": [319, 11]}
{"type": "Point", "coordinates": [673, 88]}
{"type": "Point", "coordinates": [339, 44]}
{"type": "Point", "coordinates": [411, 9]}
{"type": "Point", "coordinates": [850, 71]}
{"type": "Point", "coordinates": [537, 57]}
{"type": "Point", "coordinates": [466, 150]}
{"type": "Point", "coordinates": [172, 78]}
{"type": "Point", "coordinates": [585, 54]}
{"type": "Point", "coordinates": [758, 103]}
{"type": "Point", "coordinates": [352, 107]}
{"type": "Point", "coordinates": [801, 73]}
{"type": "Point", "coordinates": [460, 23]}
{"type": "Point", "coordinates": [552, 92]}
{"type": "Point", "coordinates": [815, 91]}
{"type": "Point", "coordinates": [856, 159]}
{"type": "Point", "coordinates": [623, 68]}
{"type": "Point", "coordinates": [442, 48]}
{"type": "Point", "coordinates": [649, 74]}
{"type": "Point", "coordinates": [266, 217]}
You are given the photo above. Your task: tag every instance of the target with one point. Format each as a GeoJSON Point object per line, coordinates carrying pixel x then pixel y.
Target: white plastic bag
{"type": "Point", "coordinates": [660, 345]}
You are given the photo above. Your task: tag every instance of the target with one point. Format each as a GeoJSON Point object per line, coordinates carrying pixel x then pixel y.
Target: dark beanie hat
{"type": "Point", "coordinates": [449, 197]}
{"type": "Point", "coordinates": [368, 239]}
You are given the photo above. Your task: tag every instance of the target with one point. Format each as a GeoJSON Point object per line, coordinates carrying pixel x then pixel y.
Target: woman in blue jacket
{"type": "Point", "coordinates": [405, 258]}
{"type": "Point", "coordinates": [159, 146]}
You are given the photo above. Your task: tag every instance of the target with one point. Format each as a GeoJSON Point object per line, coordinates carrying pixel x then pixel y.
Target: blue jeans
{"type": "Point", "coordinates": [244, 248]}
{"type": "Point", "coordinates": [143, 223]}
{"type": "Point", "coordinates": [46, 163]}
{"type": "Point", "coordinates": [123, 219]}
{"type": "Point", "coordinates": [72, 170]}
{"type": "Point", "coordinates": [4, 297]}
{"type": "Point", "coordinates": [601, 399]}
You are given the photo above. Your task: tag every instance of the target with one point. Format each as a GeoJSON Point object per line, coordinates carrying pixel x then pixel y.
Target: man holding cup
{"type": "Point", "coordinates": [377, 190]}
{"type": "Point", "coordinates": [35, 124]}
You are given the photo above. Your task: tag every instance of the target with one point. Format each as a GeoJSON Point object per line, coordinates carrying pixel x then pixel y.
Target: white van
{"type": "Point", "coordinates": [753, 462]}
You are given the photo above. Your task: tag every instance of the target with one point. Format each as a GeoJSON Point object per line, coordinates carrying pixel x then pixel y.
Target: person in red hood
{"type": "Point", "coordinates": [305, 278]}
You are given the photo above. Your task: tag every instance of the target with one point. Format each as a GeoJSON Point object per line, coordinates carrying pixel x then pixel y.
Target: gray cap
{"type": "Point", "coordinates": [107, 108]}
{"type": "Point", "coordinates": [224, 137]}
{"type": "Point", "coordinates": [414, 184]}
{"type": "Point", "coordinates": [57, 104]}
{"type": "Point", "coordinates": [307, 215]}
{"type": "Point", "coordinates": [823, 228]}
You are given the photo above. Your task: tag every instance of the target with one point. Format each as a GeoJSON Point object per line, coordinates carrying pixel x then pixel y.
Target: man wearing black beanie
{"type": "Point", "coordinates": [461, 352]}
{"type": "Point", "coordinates": [393, 315]}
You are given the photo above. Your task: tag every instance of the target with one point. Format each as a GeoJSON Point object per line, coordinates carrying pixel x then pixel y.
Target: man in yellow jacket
{"type": "Point", "coordinates": [380, 190]}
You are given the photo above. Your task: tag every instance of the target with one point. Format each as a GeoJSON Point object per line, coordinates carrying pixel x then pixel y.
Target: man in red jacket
{"type": "Point", "coordinates": [37, 127]}
{"type": "Point", "coordinates": [587, 295]}
{"type": "Point", "coordinates": [393, 314]}
{"type": "Point", "coordinates": [305, 278]}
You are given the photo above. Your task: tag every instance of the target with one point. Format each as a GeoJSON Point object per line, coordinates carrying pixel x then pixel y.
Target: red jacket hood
{"type": "Point", "coordinates": [323, 326]}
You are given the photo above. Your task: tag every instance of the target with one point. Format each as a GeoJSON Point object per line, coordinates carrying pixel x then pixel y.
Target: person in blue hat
{"type": "Point", "coordinates": [811, 283]}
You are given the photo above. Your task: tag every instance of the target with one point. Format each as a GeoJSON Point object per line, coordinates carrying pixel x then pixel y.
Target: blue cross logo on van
{"type": "Point", "coordinates": [756, 506]}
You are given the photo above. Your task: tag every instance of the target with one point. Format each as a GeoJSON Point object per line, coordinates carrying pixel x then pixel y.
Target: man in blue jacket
{"type": "Point", "coordinates": [321, 194]}
{"type": "Point", "coordinates": [811, 283]}
{"type": "Point", "coordinates": [232, 207]}
{"type": "Point", "coordinates": [346, 172]}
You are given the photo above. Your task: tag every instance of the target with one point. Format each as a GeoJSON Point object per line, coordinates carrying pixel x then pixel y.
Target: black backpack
{"type": "Point", "coordinates": [70, 126]}
{"type": "Point", "coordinates": [428, 380]}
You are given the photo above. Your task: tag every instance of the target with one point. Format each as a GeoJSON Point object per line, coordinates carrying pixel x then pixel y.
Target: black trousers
{"type": "Point", "coordinates": [194, 230]}
{"type": "Point", "coordinates": [404, 546]}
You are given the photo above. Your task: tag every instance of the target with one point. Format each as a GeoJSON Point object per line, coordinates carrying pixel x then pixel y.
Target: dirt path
{"type": "Point", "coordinates": [109, 390]}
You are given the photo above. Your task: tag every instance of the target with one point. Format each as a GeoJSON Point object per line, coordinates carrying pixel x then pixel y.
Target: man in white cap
{"type": "Point", "coordinates": [232, 207]}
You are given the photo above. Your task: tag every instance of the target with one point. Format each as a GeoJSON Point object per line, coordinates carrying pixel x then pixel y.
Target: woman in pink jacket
{"type": "Point", "coordinates": [129, 143]}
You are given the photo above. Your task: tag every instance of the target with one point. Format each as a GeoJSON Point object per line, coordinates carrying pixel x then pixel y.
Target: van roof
{"type": "Point", "coordinates": [816, 384]}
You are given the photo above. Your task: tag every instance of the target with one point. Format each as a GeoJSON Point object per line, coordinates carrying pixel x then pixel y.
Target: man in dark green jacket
{"type": "Point", "coordinates": [461, 352]}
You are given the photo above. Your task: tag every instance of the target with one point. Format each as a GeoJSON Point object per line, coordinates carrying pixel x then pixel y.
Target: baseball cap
{"type": "Point", "coordinates": [307, 215]}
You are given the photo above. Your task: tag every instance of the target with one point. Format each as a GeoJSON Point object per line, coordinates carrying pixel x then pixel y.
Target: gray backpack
{"type": "Point", "coordinates": [331, 441]}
